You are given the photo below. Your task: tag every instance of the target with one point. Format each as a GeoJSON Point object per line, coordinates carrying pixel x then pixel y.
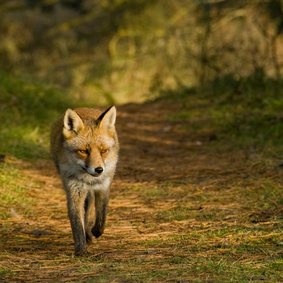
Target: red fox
{"type": "Point", "coordinates": [84, 147]}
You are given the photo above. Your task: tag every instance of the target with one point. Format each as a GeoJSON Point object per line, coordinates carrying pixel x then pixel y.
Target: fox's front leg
{"type": "Point", "coordinates": [101, 203]}
{"type": "Point", "coordinates": [75, 201]}
{"type": "Point", "coordinates": [89, 216]}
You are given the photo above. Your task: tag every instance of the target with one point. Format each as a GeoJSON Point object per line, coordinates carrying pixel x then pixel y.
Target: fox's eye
{"type": "Point", "coordinates": [82, 151]}
{"type": "Point", "coordinates": [104, 150]}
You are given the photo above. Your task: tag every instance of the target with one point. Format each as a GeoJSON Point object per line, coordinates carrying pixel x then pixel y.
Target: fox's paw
{"type": "Point", "coordinates": [97, 231]}
{"type": "Point", "coordinates": [81, 252]}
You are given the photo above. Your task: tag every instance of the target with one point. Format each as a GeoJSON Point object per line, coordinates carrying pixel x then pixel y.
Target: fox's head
{"type": "Point", "coordinates": [90, 143]}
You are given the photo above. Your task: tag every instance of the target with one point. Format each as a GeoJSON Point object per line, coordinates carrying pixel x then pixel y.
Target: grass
{"type": "Point", "coordinates": [217, 217]}
{"type": "Point", "coordinates": [27, 111]}
{"type": "Point", "coordinates": [13, 194]}
{"type": "Point", "coordinates": [231, 253]}
{"type": "Point", "coordinates": [246, 113]}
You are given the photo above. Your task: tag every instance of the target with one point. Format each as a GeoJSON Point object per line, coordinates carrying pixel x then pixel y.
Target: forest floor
{"type": "Point", "coordinates": [185, 207]}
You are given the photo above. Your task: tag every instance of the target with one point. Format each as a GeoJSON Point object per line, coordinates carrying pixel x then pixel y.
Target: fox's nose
{"type": "Point", "coordinates": [99, 170]}
{"type": "Point", "coordinates": [94, 171]}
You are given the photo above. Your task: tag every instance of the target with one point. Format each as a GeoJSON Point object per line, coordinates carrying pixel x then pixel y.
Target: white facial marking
{"type": "Point", "coordinates": [81, 162]}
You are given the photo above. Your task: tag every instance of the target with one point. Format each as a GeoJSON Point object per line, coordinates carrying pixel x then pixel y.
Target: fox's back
{"type": "Point", "coordinates": [88, 113]}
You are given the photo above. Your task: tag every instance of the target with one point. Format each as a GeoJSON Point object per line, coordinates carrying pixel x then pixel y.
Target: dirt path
{"type": "Point", "coordinates": [175, 203]}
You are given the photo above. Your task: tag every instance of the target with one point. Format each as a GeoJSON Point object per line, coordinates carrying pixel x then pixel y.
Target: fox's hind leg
{"type": "Point", "coordinates": [101, 203]}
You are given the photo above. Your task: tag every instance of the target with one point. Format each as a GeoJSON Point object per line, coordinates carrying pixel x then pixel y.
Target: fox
{"type": "Point", "coordinates": [84, 147]}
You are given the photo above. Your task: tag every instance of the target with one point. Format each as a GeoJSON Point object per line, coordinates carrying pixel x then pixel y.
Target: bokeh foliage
{"type": "Point", "coordinates": [113, 51]}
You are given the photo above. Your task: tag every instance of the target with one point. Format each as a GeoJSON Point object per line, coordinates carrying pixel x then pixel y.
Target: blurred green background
{"type": "Point", "coordinates": [116, 51]}
{"type": "Point", "coordinates": [58, 53]}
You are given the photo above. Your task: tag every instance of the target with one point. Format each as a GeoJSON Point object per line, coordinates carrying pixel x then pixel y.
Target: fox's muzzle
{"type": "Point", "coordinates": [94, 171]}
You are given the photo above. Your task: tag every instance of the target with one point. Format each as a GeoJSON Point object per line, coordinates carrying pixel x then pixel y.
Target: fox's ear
{"type": "Point", "coordinates": [72, 123]}
{"type": "Point", "coordinates": [108, 118]}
